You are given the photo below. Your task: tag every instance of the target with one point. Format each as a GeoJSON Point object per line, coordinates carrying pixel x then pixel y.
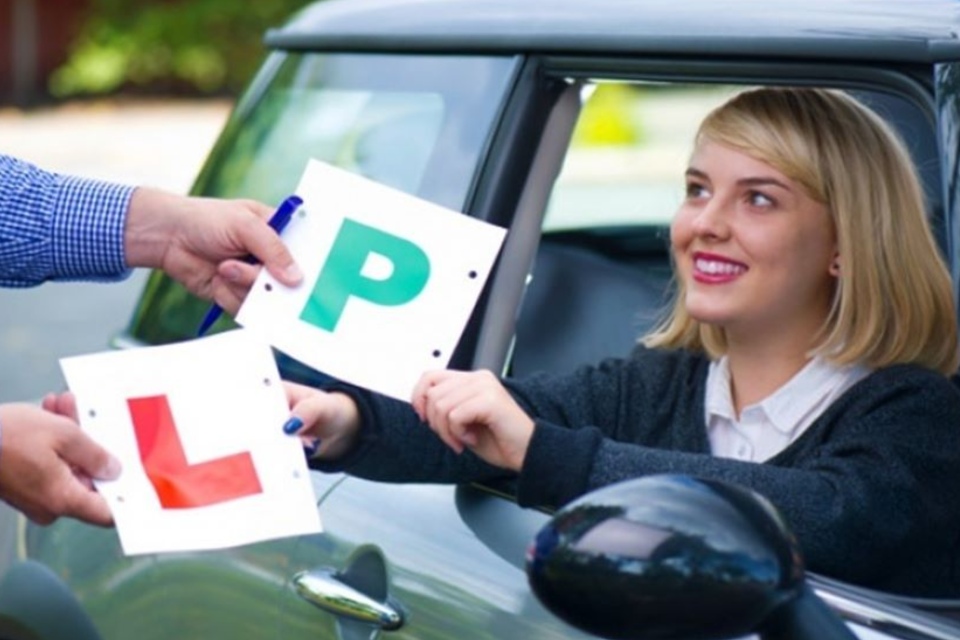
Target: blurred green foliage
{"type": "Point", "coordinates": [169, 46]}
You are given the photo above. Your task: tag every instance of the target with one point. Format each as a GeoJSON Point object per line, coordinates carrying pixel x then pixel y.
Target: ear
{"type": "Point", "coordinates": [834, 269]}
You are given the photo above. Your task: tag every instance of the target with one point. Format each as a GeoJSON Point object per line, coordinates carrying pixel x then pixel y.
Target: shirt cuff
{"type": "Point", "coordinates": [89, 218]}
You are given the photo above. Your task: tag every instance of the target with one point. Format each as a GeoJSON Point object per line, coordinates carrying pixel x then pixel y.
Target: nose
{"type": "Point", "coordinates": [712, 219]}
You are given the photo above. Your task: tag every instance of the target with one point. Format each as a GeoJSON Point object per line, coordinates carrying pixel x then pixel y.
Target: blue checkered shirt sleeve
{"type": "Point", "coordinates": [59, 227]}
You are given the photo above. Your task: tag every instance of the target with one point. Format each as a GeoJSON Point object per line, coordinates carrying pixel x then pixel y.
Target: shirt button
{"type": "Point", "coordinates": [742, 452]}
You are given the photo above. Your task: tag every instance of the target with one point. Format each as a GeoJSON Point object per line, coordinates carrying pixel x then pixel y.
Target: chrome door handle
{"type": "Point", "coordinates": [322, 588]}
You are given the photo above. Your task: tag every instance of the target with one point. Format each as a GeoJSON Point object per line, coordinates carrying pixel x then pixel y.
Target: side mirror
{"type": "Point", "coordinates": [675, 557]}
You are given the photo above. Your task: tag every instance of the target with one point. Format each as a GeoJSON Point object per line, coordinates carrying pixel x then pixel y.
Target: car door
{"type": "Point", "coordinates": [413, 549]}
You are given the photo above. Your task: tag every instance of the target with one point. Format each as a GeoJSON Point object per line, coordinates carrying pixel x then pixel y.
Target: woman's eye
{"type": "Point", "coordinates": [696, 190]}
{"type": "Point", "coordinates": [758, 199]}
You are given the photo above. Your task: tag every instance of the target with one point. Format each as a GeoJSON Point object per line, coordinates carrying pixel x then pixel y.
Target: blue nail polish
{"type": "Point", "coordinates": [292, 425]}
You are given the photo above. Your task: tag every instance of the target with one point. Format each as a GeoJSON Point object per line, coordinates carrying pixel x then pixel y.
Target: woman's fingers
{"type": "Point", "coordinates": [310, 410]}
{"type": "Point", "coordinates": [320, 417]}
{"type": "Point", "coordinates": [461, 406]}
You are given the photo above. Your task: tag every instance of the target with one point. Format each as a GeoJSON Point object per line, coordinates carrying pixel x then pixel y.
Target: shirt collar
{"type": "Point", "coordinates": [786, 407]}
{"type": "Point", "coordinates": [804, 392]}
{"type": "Point", "coordinates": [718, 401]}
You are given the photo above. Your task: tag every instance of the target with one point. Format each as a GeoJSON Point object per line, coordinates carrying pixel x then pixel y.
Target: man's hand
{"type": "Point", "coordinates": [200, 242]}
{"type": "Point", "coordinates": [47, 464]}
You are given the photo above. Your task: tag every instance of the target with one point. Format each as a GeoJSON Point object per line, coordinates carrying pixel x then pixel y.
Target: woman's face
{"type": "Point", "coordinates": [754, 251]}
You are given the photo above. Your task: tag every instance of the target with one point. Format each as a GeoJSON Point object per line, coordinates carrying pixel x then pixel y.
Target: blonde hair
{"type": "Point", "coordinates": [893, 301]}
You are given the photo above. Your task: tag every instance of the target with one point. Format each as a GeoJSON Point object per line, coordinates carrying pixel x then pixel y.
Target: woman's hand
{"type": "Point", "coordinates": [327, 423]}
{"type": "Point", "coordinates": [473, 409]}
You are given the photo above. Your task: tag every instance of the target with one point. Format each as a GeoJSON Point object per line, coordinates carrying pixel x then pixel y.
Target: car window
{"type": "Point", "coordinates": [628, 153]}
{"type": "Point", "coordinates": [385, 136]}
{"type": "Point", "coordinates": [625, 162]}
{"type": "Point", "coordinates": [420, 132]}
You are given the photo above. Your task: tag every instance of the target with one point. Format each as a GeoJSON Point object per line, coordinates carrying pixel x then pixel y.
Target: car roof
{"type": "Point", "coordinates": [890, 30]}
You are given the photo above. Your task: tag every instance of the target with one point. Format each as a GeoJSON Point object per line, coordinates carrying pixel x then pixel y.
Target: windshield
{"type": "Point", "coordinates": [416, 123]}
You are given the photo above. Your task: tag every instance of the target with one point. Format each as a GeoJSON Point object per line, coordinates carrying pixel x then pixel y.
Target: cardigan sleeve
{"type": "Point", "coordinates": [395, 446]}
{"type": "Point", "coordinates": [874, 482]}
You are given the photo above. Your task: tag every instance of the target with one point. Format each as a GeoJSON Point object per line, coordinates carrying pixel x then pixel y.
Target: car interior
{"type": "Point", "coordinates": [616, 281]}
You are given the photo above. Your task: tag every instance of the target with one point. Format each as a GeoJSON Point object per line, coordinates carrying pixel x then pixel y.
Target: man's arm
{"type": "Point", "coordinates": [58, 227]}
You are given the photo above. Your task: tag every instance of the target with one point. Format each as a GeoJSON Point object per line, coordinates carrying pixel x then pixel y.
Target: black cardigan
{"type": "Point", "coordinates": [871, 489]}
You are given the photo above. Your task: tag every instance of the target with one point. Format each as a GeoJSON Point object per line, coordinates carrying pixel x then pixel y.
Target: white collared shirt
{"type": "Point", "coordinates": [769, 426]}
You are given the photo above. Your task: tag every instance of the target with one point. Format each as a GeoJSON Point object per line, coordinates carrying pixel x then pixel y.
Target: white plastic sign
{"type": "Point", "coordinates": [198, 428]}
{"type": "Point", "coordinates": [391, 282]}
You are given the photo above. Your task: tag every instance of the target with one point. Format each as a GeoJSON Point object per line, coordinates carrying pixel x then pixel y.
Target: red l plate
{"type": "Point", "coordinates": [178, 484]}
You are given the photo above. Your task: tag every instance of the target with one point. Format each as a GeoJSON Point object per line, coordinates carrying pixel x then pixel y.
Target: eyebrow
{"type": "Point", "coordinates": [749, 182]}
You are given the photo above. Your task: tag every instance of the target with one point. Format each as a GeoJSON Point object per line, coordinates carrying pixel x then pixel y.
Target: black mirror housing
{"type": "Point", "coordinates": [668, 556]}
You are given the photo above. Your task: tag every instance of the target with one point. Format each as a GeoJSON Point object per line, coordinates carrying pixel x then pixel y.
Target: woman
{"type": "Point", "coordinates": [805, 357]}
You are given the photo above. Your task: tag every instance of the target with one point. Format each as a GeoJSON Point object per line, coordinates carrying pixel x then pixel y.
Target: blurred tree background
{"type": "Point", "coordinates": [184, 47]}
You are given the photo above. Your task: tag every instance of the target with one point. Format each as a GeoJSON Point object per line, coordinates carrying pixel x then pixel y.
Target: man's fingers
{"type": "Point", "coordinates": [238, 273]}
{"type": "Point", "coordinates": [227, 298]}
{"type": "Point", "coordinates": [49, 403]}
{"type": "Point", "coordinates": [270, 250]}
{"type": "Point", "coordinates": [263, 211]}
{"type": "Point", "coordinates": [234, 280]}
{"type": "Point", "coordinates": [86, 505]}
{"type": "Point", "coordinates": [39, 516]}
{"type": "Point", "coordinates": [66, 405]}
{"type": "Point", "coordinates": [232, 284]}
{"type": "Point", "coordinates": [81, 452]}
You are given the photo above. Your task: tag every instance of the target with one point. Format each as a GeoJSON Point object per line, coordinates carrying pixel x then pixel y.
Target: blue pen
{"type": "Point", "coordinates": [278, 221]}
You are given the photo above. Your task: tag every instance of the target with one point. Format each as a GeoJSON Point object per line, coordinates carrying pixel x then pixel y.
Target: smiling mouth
{"type": "Point", "coordinates": [710, 269]}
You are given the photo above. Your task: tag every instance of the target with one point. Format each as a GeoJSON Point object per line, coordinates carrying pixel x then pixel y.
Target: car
{"type": "Point", "coordinates": [568, 123]}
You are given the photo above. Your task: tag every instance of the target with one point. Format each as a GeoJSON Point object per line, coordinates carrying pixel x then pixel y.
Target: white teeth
{"type": "Point", "coordinates": [716, 267]}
